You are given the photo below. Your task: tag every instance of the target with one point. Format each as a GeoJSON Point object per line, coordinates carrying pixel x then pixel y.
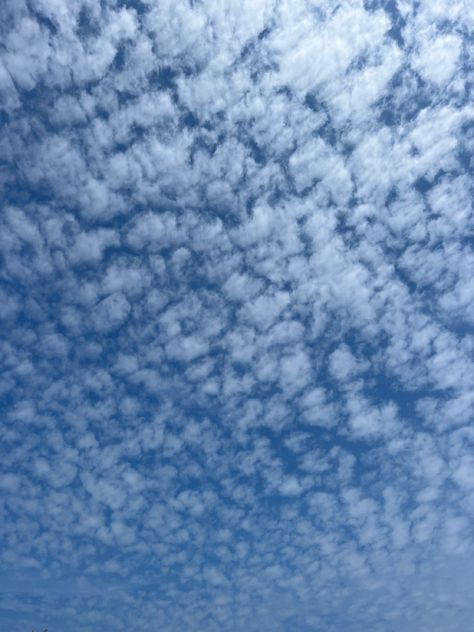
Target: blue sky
{"type": "Point", "coordinates": [237, 311]}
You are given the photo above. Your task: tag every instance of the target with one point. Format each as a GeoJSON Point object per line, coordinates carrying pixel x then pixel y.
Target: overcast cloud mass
{"type": "Point", "coordinates": [237, 316]}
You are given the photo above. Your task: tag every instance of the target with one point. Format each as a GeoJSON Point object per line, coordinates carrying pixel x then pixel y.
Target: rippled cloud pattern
{"type": "Point", "coordinates": [236, 316]}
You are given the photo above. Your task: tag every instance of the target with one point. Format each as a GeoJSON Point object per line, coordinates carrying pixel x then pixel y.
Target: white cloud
{"type": "Point", "coordinates": [266, 308]}
{"type": "Point", "coordinates": [111, 312]}
{"type": "Point", "coordinates": [438, 58]}
{"type": "Point", "coordinates": [236, 302]}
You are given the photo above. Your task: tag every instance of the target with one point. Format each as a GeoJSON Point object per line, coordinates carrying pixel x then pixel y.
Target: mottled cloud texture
{"type": "Point", "coordinates": [237, 315]}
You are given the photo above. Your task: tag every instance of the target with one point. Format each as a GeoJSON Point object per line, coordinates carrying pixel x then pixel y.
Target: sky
{"type": "Point", "coordinates": [236, 316]}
